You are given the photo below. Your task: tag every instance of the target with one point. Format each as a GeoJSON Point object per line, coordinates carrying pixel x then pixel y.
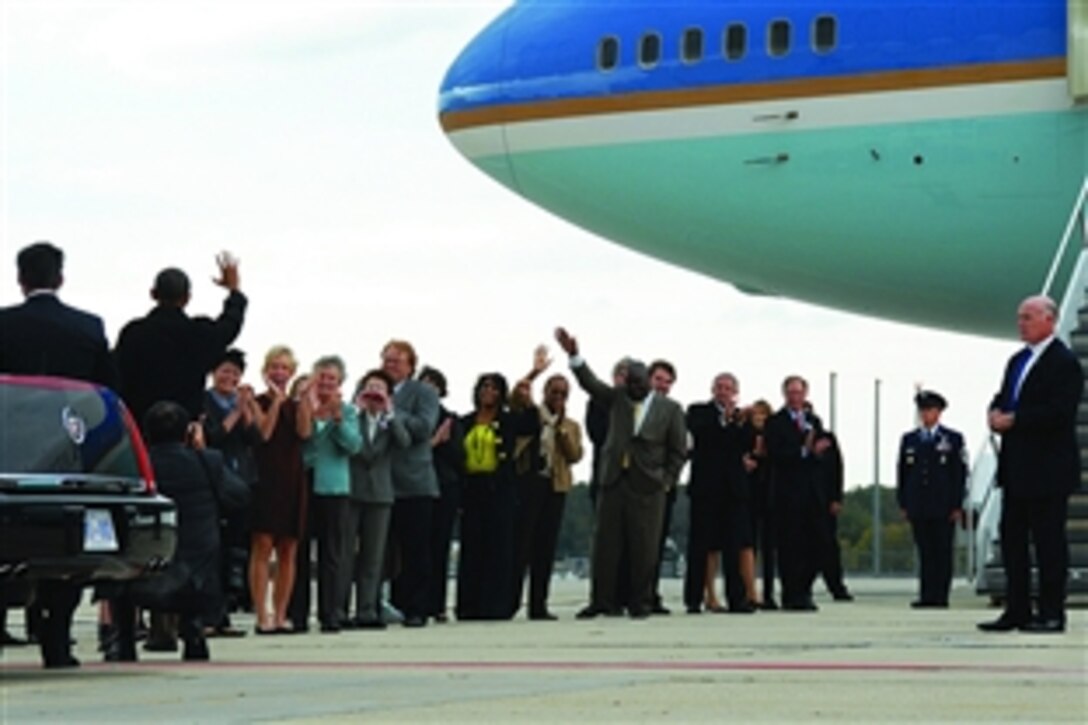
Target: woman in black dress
{"type": "Point", "coordinates": [279, 500]}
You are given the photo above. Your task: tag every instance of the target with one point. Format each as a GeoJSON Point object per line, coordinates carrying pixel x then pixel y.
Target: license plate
{"type": "Point", "coordinates": [98, 531]}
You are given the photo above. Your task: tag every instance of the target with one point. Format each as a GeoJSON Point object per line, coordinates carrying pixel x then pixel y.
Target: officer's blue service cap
{"type": "Point", "coordinates": [929, 399]}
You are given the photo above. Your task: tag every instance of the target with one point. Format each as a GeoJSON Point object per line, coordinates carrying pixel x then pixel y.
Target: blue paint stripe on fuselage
{"type": "Point", "coordinates": [541, 50]}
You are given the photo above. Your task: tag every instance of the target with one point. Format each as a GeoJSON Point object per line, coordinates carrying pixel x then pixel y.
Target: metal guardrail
{"type": "Point", "coordinates": [1076, 218]}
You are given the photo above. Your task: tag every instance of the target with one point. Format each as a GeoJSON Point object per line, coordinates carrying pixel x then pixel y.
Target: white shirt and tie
{"type": "Point", "coordinates": [1037, 351]}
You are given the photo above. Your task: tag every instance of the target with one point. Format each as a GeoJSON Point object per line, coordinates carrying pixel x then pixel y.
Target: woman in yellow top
{"type": "Point", "coordinates": [485, 571]}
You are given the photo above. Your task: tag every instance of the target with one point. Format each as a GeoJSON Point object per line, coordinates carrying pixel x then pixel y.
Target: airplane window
{"type": "Point", "coordinates": [693, 45]}
{"type": "Point", "coordinates": [649, 50]}
{"type": "Point", "coordinates": [824, 34]}
{"type": "Point", "coordinates": [778, 38]}
{"type": "Point", "coordinates": [736, 41]}
{"type": "Point", "coordinates": [608, 53]}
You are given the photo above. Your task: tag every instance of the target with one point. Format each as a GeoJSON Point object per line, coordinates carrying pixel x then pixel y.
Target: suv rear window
{"type": "Point", "coordinates": [65, 430]}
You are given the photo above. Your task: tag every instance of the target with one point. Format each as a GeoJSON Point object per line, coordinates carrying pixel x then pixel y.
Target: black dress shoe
{"type": "Point", "coordinates": [842, 596]}
{"type": "Point", "coordinates": [414, 621]}
{"type": "Point", "coordinates": [441, 618]}
{"type": "Point", "coordinates": [660, 609]}
{"type": "Point", "coordinates": [919, 604]}
{"type": "Point", "coordinates": [639, 612]}
{"type": "Point", "coordinates": [60, 663]}
{"type": "Point", "coordinates": [588, 612]}
{"type": "Point", "coordinates": [369, 624]}
{"type": "Point", "coordinates": [196, 650]}
{"type": "Point", "coordinates": [1044, 626]}
{"type": "Point", "coordinates": [802, 606]}
{"type": "Point", "coordinates": [544, 616]}
{"type": "Point", "coordinates": [696, 609]}
{"type": "Point", "coordinates": [743, 608]}
{"type": "Point", "coordinates": [1001, 624]}
{"type": "Point", "coordinates": [330, 628]}
{"type": "Point", "coordinates": [160, 645]}
{"type": "Point", "coordinates": [769, 605]}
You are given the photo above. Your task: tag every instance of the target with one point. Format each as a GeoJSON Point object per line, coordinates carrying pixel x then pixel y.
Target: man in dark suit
{"type": "Point", "coordinates": [796, 445]}
{"type": "Point", "coordinates": [167, 354]}
{"type": "Point", "coordinates": [831, 481]}
{"type": "Point", "coordinates": [718, 476]}
{"type": "Point", "coordinates": [1035, 413]}
{"type": "Point", "coordinates": [930, 484]}
{"type": "Point", "coordinates": [43, 336]}
{"type": "Point", "coordinates": [641, 459]}
{"type": "Point", "coordinates": [415, 484]}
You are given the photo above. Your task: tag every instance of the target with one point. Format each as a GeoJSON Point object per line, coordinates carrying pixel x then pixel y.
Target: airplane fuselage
{"type": "Point", "coordinates": [917, 162]}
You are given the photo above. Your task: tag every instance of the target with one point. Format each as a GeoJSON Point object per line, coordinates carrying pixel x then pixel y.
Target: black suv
{"type": "Point", "coordinates": [77, 493]}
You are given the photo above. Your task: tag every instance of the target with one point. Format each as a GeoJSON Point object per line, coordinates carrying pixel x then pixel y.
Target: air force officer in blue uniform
{"type": "Point", "coordinates": [932, 476]}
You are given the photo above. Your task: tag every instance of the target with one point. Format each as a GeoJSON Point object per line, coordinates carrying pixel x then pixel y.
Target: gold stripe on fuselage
{"type": "Point", "coordinates": [748, 92]}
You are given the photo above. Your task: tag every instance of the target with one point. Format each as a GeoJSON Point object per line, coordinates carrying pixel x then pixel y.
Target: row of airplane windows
{"type": "Point", "coordinates": [823, 37]}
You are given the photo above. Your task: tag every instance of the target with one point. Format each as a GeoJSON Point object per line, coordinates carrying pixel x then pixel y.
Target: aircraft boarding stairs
{"type": "Point", "coordinates": [984, 560]}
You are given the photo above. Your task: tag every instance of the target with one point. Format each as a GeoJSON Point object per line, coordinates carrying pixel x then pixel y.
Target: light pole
{"type": "Point", "coordinates": [876, 477]}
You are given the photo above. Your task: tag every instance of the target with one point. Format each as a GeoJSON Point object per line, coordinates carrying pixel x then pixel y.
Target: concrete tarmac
{"type": "Point", "coordinates": [871, 660]}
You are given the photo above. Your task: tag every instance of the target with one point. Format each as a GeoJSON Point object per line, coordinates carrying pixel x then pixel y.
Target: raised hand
{"type": "Point", "coordinates": [228, 271]}
{"type": "Point", "coordinates": [541, 361]}
{"type": "Point", "coordinates": [568, 343]}
{"type": "Point", "coordinates": [275, 392]}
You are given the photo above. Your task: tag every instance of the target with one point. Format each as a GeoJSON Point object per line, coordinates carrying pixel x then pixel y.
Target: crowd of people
{"type": "Point", "coordinates": [379, 475]}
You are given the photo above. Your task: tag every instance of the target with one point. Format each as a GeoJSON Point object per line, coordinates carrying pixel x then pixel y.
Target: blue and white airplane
{"type": "Point", "coordinates": [911, 159]}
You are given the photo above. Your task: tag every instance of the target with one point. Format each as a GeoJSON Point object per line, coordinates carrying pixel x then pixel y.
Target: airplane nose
{"type": "Point", "coordinates": [473, 86]}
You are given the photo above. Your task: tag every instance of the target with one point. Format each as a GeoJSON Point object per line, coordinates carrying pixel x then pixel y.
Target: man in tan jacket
{"type": "Point", "coordinates": [543, 487]}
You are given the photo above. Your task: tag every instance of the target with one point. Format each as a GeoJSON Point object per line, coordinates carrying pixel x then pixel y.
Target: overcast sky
{"type": "Point", "coordinates": [303, 137]}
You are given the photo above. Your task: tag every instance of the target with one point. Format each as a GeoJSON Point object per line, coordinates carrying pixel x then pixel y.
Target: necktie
{"type": "Point", "coordinates": [1020, 363]}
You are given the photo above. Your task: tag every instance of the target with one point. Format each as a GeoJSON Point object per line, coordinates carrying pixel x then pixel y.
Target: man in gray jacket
{"type": "Point", "coordinates": [415, 486]}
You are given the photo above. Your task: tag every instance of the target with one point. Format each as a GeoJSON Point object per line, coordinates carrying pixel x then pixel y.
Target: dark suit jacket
{"type": "Point", "coordinates": [236, 445]}
{"type": "Point", "coordinates": [167, 355]}
{"type": "Point", "coordinates": [932, 475]}
{"type": "Point", "coordinates": [449, 457]}
{"type": "Point", "coordinates": [831, 470]}
{"type": "Point", "coordinates": [1039, 455]}
{"type": "Point", "coordinates": [202, 492]}
{"type": "Point", "coordinates": [797, 480]}
{"type": "Point", "coordinates": [44, 336]}
{"type": "Point", "coordinates": [717, 467]}
{"type": "Point", "coordinates": [656, 452]}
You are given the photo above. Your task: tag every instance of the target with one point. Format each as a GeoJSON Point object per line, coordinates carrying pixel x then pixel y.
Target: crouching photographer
{"type": "Point", "coordinates": [204, 490]}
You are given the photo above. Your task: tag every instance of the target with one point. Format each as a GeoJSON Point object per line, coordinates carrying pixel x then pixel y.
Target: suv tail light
{"type": "Point", "coordinates": [143, 460]}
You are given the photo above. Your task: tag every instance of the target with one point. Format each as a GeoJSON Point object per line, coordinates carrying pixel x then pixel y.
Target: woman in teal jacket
{"type": "Point", "coordinates": [335, 438]}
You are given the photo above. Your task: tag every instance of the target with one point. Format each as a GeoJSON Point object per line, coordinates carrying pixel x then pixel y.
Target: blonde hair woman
{"type": "Point", "coordinates": [279, 498]}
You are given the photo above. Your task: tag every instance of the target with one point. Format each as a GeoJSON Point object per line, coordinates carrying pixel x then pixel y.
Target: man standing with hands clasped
{"type": "Point", "coordinates": [641, 459]}
{"type": "Point", "coordinates": [1035, 412]}
{"type": "Point", "coordinates": [932, 476]}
